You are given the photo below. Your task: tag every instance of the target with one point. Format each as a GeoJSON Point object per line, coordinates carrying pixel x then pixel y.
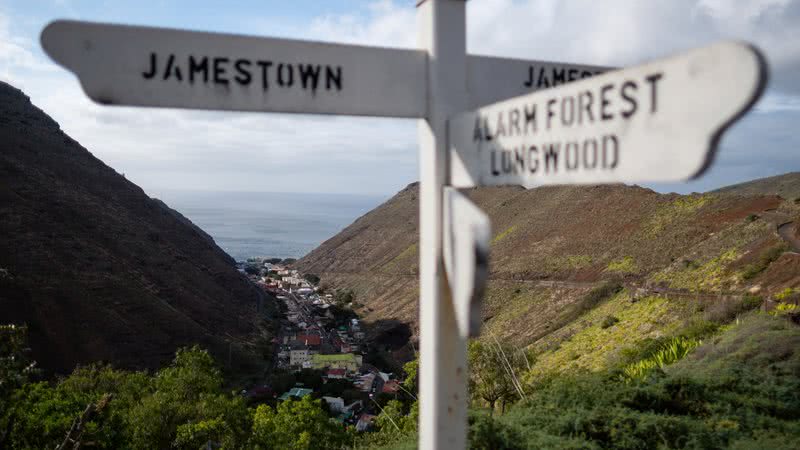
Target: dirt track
{"type": "Point", "coordinates": [785, 232]}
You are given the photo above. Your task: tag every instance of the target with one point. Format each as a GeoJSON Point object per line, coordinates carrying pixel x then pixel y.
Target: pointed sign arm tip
{"type": "Point", "coordinates": [763, 79]}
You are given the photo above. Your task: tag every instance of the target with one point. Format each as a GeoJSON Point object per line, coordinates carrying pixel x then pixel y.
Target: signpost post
{"type": "Point", "coordinates": [660, 121]}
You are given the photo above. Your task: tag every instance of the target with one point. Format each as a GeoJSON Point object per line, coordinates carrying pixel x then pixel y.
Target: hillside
{"type": "Point", "coordinates": [97, 269]}
{"type": "Point", "coordinates": [557, 252]}
{"type": "Point", "coordinates": [786, 185]}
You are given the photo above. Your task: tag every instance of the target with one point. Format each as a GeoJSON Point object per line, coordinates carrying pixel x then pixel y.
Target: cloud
{"type": "Point", "coordinates": [623, 32]}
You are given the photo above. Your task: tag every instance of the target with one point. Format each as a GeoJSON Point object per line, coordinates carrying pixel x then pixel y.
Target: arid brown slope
{"type": "Point", "coordinates": [786, 185]}
{"type": "Point", "coordinates": [551, 246]}
{"type": "Point", "coordinates": [96, 268]}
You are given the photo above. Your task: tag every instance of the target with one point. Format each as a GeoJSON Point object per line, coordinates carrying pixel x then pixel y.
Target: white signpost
{"type": "Point", "coordinates": [657, 122]}
{"type": "Point", "coordinates": [466, 236]}
{"type": "Point", "coordinates": [660, 121]}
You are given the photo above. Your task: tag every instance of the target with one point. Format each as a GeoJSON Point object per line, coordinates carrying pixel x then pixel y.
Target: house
{"type": "Point", "coordinates": [299, 355]}
{"type": "Point", "coordinates": [296, 392]}
{"type": "Point", "coordinates": [365, 422]}
{"type": "Point", "coordinates": [336, 374]}
{"type": "Point", "coordinates": [391, 387]}
{"type": "Point", "coordinates": [311, 340]}
{"type": "Point", "coordinates": [258, 392]}
{"type": "Point", "coordinates": [348, 361]}
{"type": "Point", "coordinates": [364, 382]}
{"type": "Point", "coordinates": [335, 404]}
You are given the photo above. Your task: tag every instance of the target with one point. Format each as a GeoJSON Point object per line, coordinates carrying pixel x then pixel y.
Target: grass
{"type": "Point", "coordinates": [598, 348]}
{"type": "Point", "coordinates": [504, 234]}
{"type": "Point", "coordinates": [625, 265]}
{"type": "Point", "coordinates": [766, 258]}
{"type": "Point", "coordinates": [675, 211]}
{"type": "Point", "coordinates": [710, 276]}
{"type": "Point", "coordinates": [736, 391]}
{"type": "Point", "coordinates": [568, 262]}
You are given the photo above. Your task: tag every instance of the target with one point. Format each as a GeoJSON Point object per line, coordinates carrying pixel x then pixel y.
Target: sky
{"type": "Point", "coordinates": [169, 149]}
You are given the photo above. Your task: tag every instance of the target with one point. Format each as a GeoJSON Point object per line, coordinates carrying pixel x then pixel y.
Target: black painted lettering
{"type": "Point", "coordinates": [533, 159]}
{"type": "Point", "coordinates": [500, 129]}
{"type": "Point", "coordinates": [487, 133]}
{"type": "Point", "coordinates": [572, 163]}
{"type": "Point", "coordinates": [243, 75]}
{"type": "Point", "coordinates": [586, 74]}
{"type": "Point", "coordinates": [550, 112]}
{"type": "Point", "coordinates": [653, 80]}
{"type": "Point", "coordinates": [631, 100]}
{"type": "Point", "coordinates": [610, 151]}
{"type": "Point", "coordinates": [605, 102]}
{"type": "Point", "coordinates": [559, 76]}
{"type": "Point", "coordinates": [264, 65]}
{"type": "Point", "coordinates": [590, 149]}
{"type": "Point", "coordinates": [530, 118]}
{"type": "Point", "coordinates": [513, 122]}
{"type": "Point", "coordinates": [285, 75]}
{"type": "Point", "coordinates": [567, 111]}
{"type": "Point", "coordinates": [543, 81]}
{"type": "Point", "coordinates": [505, 162]}
{"type": "Point", "coordinates": [332, 78]}
{"type": "Point", "coordinates": [477, 133]}
{"type": "Point", "coordinates": [551, 157]}
{"type": "Point", "coordinates": [172, 68]}
{"type": "Point", "coordinates": [199, 66]}
{"type": "Point", "coordinates": [529, 82]}
{"type": "Point", "coordinates": [573, 74]}
{"type": "Point", "coordinates": [219, 70]}
{"type": "Point", "coordinates": [153, 67]}
{"type": "Point", "coordinates": [495, 172]}
{"type": "Point", "coordinates": [585, 100]}
{"type": "Point", "coordinates": [519, 159]}
{"type": "Point", "coordinates": [309, 75]}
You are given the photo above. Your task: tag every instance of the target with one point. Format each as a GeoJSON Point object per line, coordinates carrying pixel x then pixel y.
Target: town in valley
{"type": "Point", "coordinates": [321, 349]}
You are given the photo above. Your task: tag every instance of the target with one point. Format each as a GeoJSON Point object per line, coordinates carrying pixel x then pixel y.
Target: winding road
{"type": "Point", "coordinates": [785, 232]}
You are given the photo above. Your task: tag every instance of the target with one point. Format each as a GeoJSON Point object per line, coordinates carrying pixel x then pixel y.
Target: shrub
{"type": "Point", "coordinates": [785, 294]}
{"type": "Point", "coordinates": [609, 322]}
{"type": "Point", "coordinates": [724, 311]}
{"type": "Point", "coordinates": [625, 265]}
{"type": "Point", "coordinates": [752, 218]}
{"type": "Point", "coordinates": [669, 353]}
{"type": "Point", "coordinates": [767, 257]}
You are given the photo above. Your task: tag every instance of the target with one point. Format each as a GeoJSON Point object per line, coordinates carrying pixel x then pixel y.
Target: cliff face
{"type": "Point", "coordinates": [553, 245]}
{"type": "Point", "coordinates": [97, 269]}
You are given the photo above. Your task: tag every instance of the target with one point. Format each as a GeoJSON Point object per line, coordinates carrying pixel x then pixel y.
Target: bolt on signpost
{"type": "Point", "coordinates": [660, 121]}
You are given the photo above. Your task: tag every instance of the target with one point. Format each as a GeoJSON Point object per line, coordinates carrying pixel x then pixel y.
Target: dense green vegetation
{"type": "Point", "coordinates": [713, 384]}
{"type": "Point", "coordinates": [181, 406]}
{"type": "Point", "coordinates": [740, 390]}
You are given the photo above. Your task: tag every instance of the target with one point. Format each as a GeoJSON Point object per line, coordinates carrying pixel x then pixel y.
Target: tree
{"type": "Point", "coordinates": [494, 373]}
{"type": "Point", "coordinates": [16, 369]}
{"type": "Point", "coordinates": [311, 278]}
{"type": "Point", "coordinates": [343, 297]}
{"type": "Point", "coordinates": [296, 424]}
{"type": "Point", "coordinates": [187, 393]}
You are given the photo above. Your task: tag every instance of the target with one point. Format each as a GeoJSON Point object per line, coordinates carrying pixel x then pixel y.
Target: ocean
{"type": "Point", "coordinates": [280, 225]}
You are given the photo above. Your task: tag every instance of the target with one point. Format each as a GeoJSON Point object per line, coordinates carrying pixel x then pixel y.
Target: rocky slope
{"type": "Point", "coordinates": [786, 185]}
{"type": "Point", "coordinates": [97, 269]}
{"type": "Point", "coordinates": [553, 247]}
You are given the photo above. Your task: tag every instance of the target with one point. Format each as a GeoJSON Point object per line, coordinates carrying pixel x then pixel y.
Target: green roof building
{"type": "Point", "coordinates": [295, 392]}
{"type": "Point", "coordinates": [347, 361]}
